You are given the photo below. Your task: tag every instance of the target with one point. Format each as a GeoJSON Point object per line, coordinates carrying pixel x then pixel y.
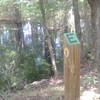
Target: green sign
{"type": "Point", "coordinates": [71, 38]}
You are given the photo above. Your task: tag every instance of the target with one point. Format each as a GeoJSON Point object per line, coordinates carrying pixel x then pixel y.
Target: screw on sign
{"type": "Point", "coordinates": [71, 66]}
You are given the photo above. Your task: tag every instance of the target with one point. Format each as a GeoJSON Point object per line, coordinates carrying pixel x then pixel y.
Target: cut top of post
{"type": "Point", "coordinates": [71, 38]}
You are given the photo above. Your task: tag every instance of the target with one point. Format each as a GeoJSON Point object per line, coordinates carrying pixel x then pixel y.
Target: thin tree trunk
{"type": "Point", "coordinates": [19, 35]}
{"type": "Point", "coordinates": [77, 18]}
{"type": "Point", "coordinates": [33, 38]}
{"type": "Point", "coordinates": [19, 32]}
{"type": "Point", "coordinates": [49, 44]}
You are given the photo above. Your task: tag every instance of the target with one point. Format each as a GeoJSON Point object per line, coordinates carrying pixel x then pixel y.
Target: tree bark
{"type": "Point", "coordinates": [95, 26]}
{"type": "Point", "coordinates": [48, 40]}
{"type": "Point", "coordinates": [19, 35]}
{"type": "Point", "coordinates": [19, 32]}
{"type": "Point", "coordinates": [77, 18]}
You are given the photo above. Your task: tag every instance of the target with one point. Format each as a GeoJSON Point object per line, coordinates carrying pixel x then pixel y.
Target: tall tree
{"type": "Point", "coordinates": [47, 37]}
{"type": "Point", "coordinates": [95, 27]}
{"type": "Point", "coordinates": [76, 18]}
{"type": "Point", "coordinates": [19, 35]}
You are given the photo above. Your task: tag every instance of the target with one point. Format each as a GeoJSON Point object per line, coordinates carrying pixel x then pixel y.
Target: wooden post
{"type": "Point", "coordinates": [72, 67]}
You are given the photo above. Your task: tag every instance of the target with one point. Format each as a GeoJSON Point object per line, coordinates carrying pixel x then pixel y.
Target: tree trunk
{"type": "Point", "coordinates": [48, 59]}
{"type": "Point", "coordinates": [19, 32]}
{"type": "Point", "coordinates": [86, 34]}
{"type": "Point", "coordinates": [48, 40]}
{"type": "Point", "coordinates": [98, 33]}
{"type": "Point", "coordinates": [33, 38]}
{"type": "Point", "coordinates": [95, 26]}
{"type": "Point", "coordinates": [19, 35]}
{"type": "Point", "coordinates": [77, 18]}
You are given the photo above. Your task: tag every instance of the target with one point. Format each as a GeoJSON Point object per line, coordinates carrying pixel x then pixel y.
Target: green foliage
{"type": "Point", "coordinates": [14, 77]}
{"type": "Point", "coordinates": [30, 9]}
{"type": "Point", "coordinates": [43, 69]}
{"type": "Point", "coordinates": [28, 66]}
{"type": "Point", "coordinates": [7, 66]}
{"type": "Point", "coordinates": [19, 68]}
{"type": "Point", "coordinates": [90, 80]}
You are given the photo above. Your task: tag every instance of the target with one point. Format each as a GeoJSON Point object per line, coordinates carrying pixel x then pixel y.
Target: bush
{"type": "Point", "coordinates": [43, 69]}
{"type": "Point", "coordinates": [15, 77]}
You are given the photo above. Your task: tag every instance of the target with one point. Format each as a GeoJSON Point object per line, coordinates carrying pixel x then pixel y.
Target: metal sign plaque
{"type": "Point", "coordinates": [71, 38]}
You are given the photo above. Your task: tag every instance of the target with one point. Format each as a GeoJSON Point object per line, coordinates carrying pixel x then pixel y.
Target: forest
{"type": "Point", "coordinates": [32, 48]}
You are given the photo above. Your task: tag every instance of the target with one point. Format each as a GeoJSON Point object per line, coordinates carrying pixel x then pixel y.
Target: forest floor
{"type": "Point", "coordinates": [53, 88]}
